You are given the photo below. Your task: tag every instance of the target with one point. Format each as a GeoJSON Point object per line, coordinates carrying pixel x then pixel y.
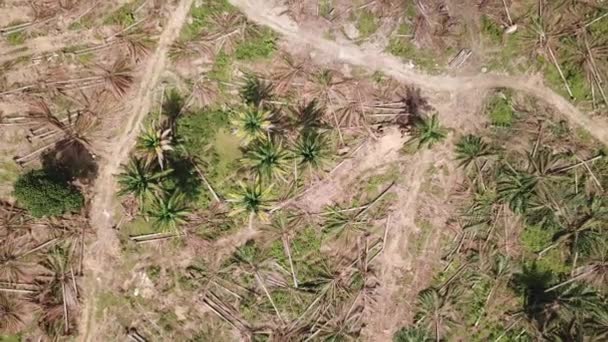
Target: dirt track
{"type": "Point", "coordinates": [265, 13]}
{"type": "Point", "coordinates": [100, 255]}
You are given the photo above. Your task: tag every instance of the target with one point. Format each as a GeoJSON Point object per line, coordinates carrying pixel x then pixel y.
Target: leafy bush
{"type": "Point", "coordinates": [45, 194]}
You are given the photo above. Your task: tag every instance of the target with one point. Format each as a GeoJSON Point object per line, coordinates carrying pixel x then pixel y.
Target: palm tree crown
{"type": "Point", "coordinates": [250, 198]}
{"type": "Point", "coordinates": [311, 149]}
{"type": "Point", "coordinates": [268, 159]}
{"type": "Point", "coordinates": [140, 179]}
{"type": "Point", "coordinates": [252, 124]}
{"type": "Point", "coordinates": [428, 131]}
{"type": "Point", "coordinates": [154, 142]}
{"type": "Point", "coordinates": [169, 211]}
{"type": "Point", "coordinates": [471, 148]}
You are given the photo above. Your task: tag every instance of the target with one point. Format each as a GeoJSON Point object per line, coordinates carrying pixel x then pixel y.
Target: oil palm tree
{"type": "Point", "coordinates": [308, 116]}
{"type": "Point", "coordinates": [169, 211]}
{"type": "Point", "coordinates": [516, 188]}
{"type": "Point", "coordinates": [154, 142]}
{"type": "Point", "coordinates": [428, 131]}
{"type": "Point", "coordinates": [141, 179]}
{"type": "Point", "coordinates": [11, 314]}
{"type": "Point", "coordinates": [252, 124]}
{"type": "Point", "coordinates": [311, 149]}
{"type": "Point", "coordinates": [268, 159]}
{"type": "Point", "coordinates": [471, 149]}
{"type": "Point", "coordinates": [343, 225]}
{"type": "Point", "coordinates": [11, 269]}
{"type": "Point", "coordinates": [435, 312]}
{"type": "Point", "coordinates": [549, 309]}
{"type": "Point", "coordinates": [251, 199]}
{"type": "Point", "coordinates": [256, 92]}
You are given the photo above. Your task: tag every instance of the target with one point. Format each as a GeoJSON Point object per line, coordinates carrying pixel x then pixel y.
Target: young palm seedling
{"type": "Point", "coordinates": [141, 180]}
{"type": "Point", "coordinates": [252, 124]}
{"type": "Point", "coordinates": [155, 142]}
{"type": "Point", "coordinates": [169, 211]}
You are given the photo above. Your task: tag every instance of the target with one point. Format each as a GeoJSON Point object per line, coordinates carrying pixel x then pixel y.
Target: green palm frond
{"type": "Point", "coordinates": [168, 212]}
{"type": "Point", "coordinates": [140, 179]}
{"type": "Point", "coordinates": [312, 149]}
{"type": "Point", "coordinates": [154, 142]}
{"type": "Point", "coordinates": [268, 159]}
{"type": "Point", "coordinates": [252, 124]}
{"type": "Point", "coordinates": [255, 91]}
{"type": "Point", "coordinates": [471, 148]}
{"type": "Point", "coordinates": [251, 199]}
{"type": "Point", "coordinates": [428, 131]}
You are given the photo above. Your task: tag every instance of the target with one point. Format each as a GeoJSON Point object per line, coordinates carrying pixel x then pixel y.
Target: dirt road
{"type": "Point", "coordinates": [265, 12]}
{"type": "Point", "coordinates": [102, 253]}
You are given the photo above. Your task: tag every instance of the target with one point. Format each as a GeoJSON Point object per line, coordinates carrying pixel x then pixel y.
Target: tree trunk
{"type": "Point", "coordinates": [261, 282]}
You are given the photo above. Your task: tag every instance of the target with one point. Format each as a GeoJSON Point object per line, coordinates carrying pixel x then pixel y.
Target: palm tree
{"type": "Point", "coordinates": [256, 92]}
{"type": "Point", "coordinates": [11, 315]}
{"type": "Point", "coordinates": [141, 180]}
{"type": "Point", "coordinates": [254, 261]}
{"type": "Point", "coordinates": [428, 132]}
{"type": "Point", "coordinates": [284, 228]}
{"type": "Point", "coordinates": [311, 149]}
{"type": "Point", "coordinates": [309, 116]}
{"type": "Point", "coordinates": [471, 149]}
{"type": "Point", "coordinates": [252, 199]}
{"type": "Point", "coordinates": [516, 189]}
{"type": "Point", "coordinates": [549, 309]}
{"type": "Point", "coordinates": [11, 269]}
{"type": "Point", "coordinates": [154, 142]}
{"type": "Point", "coordinates": [169, 211]}
{"type": "Point", "coordinates": [252, 124]}
{"type": "Point", "coordinates": [499, 274]}
{"type": "Point", "coordinates": [435, 312]}
{"type": "Point", "coordinates": [268, 159]}
{"type": "Point", "coordinates": [412, 334]}
{"type": "Point", "coordinates": [343, 225]}
{"type": "Point", "coordinates": [594, 272]}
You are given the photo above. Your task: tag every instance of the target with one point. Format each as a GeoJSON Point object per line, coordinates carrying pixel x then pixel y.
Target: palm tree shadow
{"type": "Point", "coordinates": [71, 160]}
{"type": "Point", "coordinates": [185, 178]}
{"type": "Point", "coordinates": [532, 284]}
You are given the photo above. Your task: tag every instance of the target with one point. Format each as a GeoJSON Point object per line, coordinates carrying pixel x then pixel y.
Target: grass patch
{"type": "Point", "coordinates": [500, 110]}
{"type": "Point", "coordinates": [16, 38]}
{"type": "Point", "coordinates": [367, 23]}
{"type": "Point", "coordinates": [9, 172]}
{"type": "Point", "coordinates": [206, 134]}
{"type": "Point", "coordinates": [402, 47]}
{"type": "Point", "coordinates": [200, 15]}
{"type": "Point", "coordinates": [139, 226]}
{"type": "Point", "coordinates": [325, 8]}
{"type": "Point", "coordinates": [123, 16]}
{"type": "Point", "coordinates": [261, 45]}
{"type": "Point", "coordinates": [222, 68]}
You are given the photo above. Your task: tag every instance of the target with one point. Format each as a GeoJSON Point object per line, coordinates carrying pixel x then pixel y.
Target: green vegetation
{"type": "Point", "coordinates": [367, 23]}
{"type": "Point", "coordinates": [534, 216]}
{"type": "Point", "coordinates": [261, 44]}
{"type": "Point", "coordinates": [123, 16]}
{"type": "Point", "coordinates": [202, 15]}
{"type": "Point", "coordinates": [16, 38]}
{"type": "Point", "coordinates": [44, 193]}
{"type": "Point", "coordinates": [500, 110]}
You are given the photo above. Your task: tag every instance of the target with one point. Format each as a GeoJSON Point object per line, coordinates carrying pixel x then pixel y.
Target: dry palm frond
{"type": "Point", "coordinates": [204, 92]}
{"type": "Point", "coordinates": [287, 72]}
{"type": "Point", "coordinates": [118, 78]}
{"type": "Point", "coordinates": [228, 31]}
{"type": "Point", "coordinates": [431, 24]}
{"type": "Point", "coordinates": [11, 269]}
{"type": "Point", "coordinates": [11, 315]}
{"type": "Point", "coordinates": [138, 44]}
{"type": "Point", "coordinates": [182, 50]}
